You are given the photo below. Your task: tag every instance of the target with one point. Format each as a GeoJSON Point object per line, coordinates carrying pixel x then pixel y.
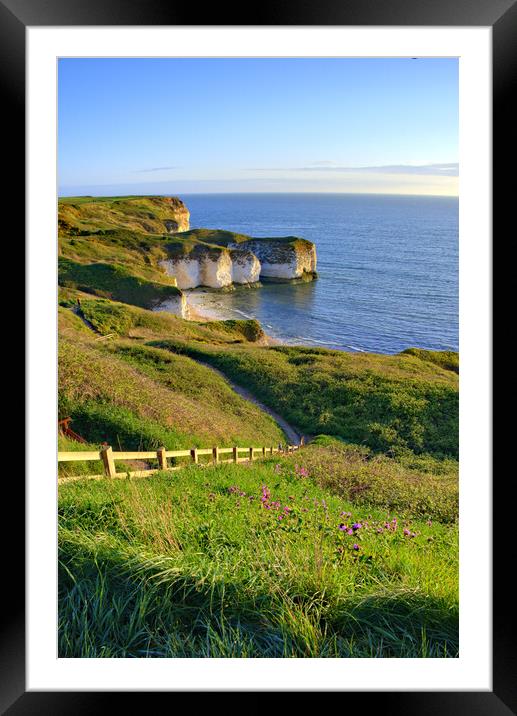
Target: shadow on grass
{"type": "Point", "coordinates": [110, 606]}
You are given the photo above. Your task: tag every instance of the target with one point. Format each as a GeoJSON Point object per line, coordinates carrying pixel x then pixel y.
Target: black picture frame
{"type": "Point", "coordinates": [501, 15]}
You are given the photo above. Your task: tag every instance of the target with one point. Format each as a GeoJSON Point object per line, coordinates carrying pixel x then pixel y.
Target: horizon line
{"type": "Point", "coordinates": [233, 193]}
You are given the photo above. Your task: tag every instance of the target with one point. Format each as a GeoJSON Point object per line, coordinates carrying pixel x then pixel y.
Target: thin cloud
{"type": "Point", "coordinates": [324, 163]}
{"type": "Point", "coordinates": [153, 169]}
{"type": "Point", "coordinates": [444, 169]}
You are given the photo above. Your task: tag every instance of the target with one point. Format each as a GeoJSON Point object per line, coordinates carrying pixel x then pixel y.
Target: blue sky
{"type": "Point", "coordinates": [178, 125]}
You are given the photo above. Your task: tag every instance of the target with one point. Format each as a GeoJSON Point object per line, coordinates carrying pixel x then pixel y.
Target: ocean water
{"type": "Point", "coordinates": [387, 266]}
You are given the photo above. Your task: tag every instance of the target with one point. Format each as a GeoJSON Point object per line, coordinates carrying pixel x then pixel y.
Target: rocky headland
{"type": "Point", "coordinates": [141, 250]}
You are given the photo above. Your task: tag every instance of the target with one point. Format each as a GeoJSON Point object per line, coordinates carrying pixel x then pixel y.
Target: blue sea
{"type": "Point", "coordinates": [387, 267]}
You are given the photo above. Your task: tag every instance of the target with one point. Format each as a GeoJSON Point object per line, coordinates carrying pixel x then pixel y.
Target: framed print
{"type": "Point", "coordinates": [268, 495]}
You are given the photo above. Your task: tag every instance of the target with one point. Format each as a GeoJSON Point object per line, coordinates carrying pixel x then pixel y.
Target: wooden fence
{"type": "Point", "coordinates": [108, 458]}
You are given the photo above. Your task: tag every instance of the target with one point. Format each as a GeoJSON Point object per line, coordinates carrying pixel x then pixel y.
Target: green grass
{"type": "Point", "coordinates": [396, 404]}
{"type": "Point", "coordinates": [140, 214]}
{"type": "Point", "coordinates": [140, 398]}
{"type": "Point", "coordinates": [219, 237]}
{"type": "Point", "coordinates": [125, 235]}
{"type": "Point", "coordinates": [190, 564]}
{"type": "Point", "coordinates": [130, 234]}
{"type": "Point", "coordinates": [414, 485]}
{"type": "Point", "coordinates": [71, 469]}
{"type": "Point", "coordinates": [446, 359]}
{"type": "Point", "coordinates": [114, 282]}
{"type": "Point", "coordinates": [108, 317]}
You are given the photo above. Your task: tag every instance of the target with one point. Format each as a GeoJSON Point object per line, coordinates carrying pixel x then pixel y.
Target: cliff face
{"type": "Point", "coordinates": [283, 259]}
{"type": "Point", "coordinates": [245, 266]}
{"type": "Point", "coordinates": [202, 266]}
{"type": "Point", "coordinates": [204, 257]}
{"type": "Point", "coordinates": [215, 267]}
{"type": "Point", "coordinates": [176, 305]}
{"type": "Point", "coordinates": [179, 219]}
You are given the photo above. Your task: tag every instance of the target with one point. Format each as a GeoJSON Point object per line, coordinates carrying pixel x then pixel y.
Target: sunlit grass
{"type": "Point", "coordinates": [193, 564]}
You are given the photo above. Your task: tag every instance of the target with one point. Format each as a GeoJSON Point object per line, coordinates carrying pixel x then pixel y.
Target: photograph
{"type": "Point", "coordinates": [258, 357]}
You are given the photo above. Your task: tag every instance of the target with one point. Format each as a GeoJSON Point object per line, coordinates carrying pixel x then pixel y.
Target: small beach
{"type": "Point", "coordinates": [203, 307]}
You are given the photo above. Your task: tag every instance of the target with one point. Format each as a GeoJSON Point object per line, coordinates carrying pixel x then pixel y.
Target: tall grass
{"type": "Point", "coordinates": [140, 398]}
{"type": "Point", "coordinates": [197, 564]}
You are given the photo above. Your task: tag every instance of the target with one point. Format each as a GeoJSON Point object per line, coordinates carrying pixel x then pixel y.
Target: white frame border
{"type": "Point", "coordinates": [472, 670]}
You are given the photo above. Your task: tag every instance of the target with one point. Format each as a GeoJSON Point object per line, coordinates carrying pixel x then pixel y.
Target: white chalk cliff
{"type": "Point", "coordinates": [245, 266]}
{"type": "Point", "coordinates": [282, 260]}
{"type": "Point", "coordinates": [245, 262]}
{"type": "Point", "coordinates": [202, 267]}
{"type": "Point", "coordinates": [175, 304]}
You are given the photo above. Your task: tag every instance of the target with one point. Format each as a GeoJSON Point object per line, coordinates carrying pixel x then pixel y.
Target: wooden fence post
{"type": "Point", "coordinates": [263, 452]}
{"type": "Point", "coordinates": [162, 459]}
{"type": "Point", "coordinates": [109, 462]}
{"type": "Point", "coordinates": [251, 454]}
{"type": "Point", "coordinates": [271, 449]}
{"type": "Point", "coordinates": [193, 453]}
{"type": "Point", "coordinates": [215, 455]}
{"type": "Point", "coordinates": [235, 455]}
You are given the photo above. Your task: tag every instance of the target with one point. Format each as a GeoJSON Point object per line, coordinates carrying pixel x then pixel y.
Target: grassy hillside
{"type": "Point", "coordinates": [347, 548]}
{"type": "Point", "coordinates": [139, 214]}
{"type": "Point", "coordinates": [115, 282]}
{"type": "Point", "coordinates": [419, 486]}
{"type": "Point", "coordinates": [388, 403]}
{"type": "Point", "coordinates": [400, 404]}
{"type": "Point", "coordinates": [112, 246]}
{"type": "Point", "coordinates": [254, 561]}
{"type": "Point", "coordinates": [446, 359]}
{"type": "Point", "coordinates": [138, 397]}
{"type": "Point", "coordinates": [108, 316]}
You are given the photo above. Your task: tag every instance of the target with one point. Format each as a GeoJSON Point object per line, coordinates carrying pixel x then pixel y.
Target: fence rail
{"type": "Point", "coordinates": [108, 457]}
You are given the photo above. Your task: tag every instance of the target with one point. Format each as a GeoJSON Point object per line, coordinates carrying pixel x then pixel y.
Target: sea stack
{"type": "Point", "coordinates": [284, 258]}
{"type": "Point", "coordinates": [217, 259]}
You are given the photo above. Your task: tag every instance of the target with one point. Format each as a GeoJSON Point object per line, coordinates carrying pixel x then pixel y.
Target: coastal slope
{"type": "Point", "coordinates": [148, 240]}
